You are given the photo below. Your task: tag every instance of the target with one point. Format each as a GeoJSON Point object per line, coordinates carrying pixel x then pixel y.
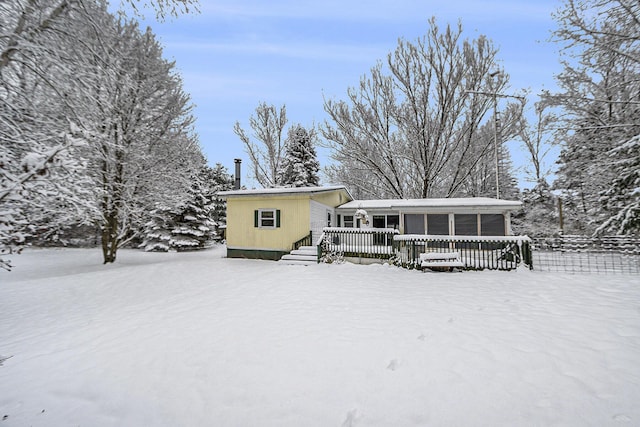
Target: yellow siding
{"type": "Point", "coordinates": [294, 222]}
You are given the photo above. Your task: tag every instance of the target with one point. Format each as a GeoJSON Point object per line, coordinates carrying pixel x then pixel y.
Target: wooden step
{"type": "Point", "coordinates": [294, 257]}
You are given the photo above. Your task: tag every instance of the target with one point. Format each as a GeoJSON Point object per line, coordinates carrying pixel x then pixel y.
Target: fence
{"type": "Point", "coordinates": [476, 252]}
{"type": "Point", "coordinates": [495, 252]}
{"type": "Point", "coordinates": [359, 242]}
{"type": "Point", "coordinates": [586, 254]}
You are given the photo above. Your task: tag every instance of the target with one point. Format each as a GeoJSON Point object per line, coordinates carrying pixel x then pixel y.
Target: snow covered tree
{"type": "Point", "coordinates": [300, 166]}
{"type": "Point", "coordinates": [165, 7]}
{"type": "Point", "coordinates": [539, 217]}
{"type": "Point", "coordinates": [217, 179]}
{"type": "Point", "coordinates": [41, 75]}
{"type": "Point", "coordinates": [601, 98]}
{"type": "Point", "coordinates": [187, 226]}
{"type": "Point", "coordinates": [143, 133]}
{"type": "Point", "coordinates": [412, 131]}
{"type": "Point", "coordinates": [266, 154]}
{"type": "Point", "coordinates": [70, 77]}
{"type": "Point", "coordinates": [622, 200]}
{"type": "Point", "coordinates": [156, 232]}
{"type": "Point", "coordinates": [194, 227]}
{"type": "Point", "coordinates": [537, 139]}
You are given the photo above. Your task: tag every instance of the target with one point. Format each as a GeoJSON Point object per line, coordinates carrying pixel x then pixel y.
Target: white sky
{"type": "Point", "coordinates": [237, 53]}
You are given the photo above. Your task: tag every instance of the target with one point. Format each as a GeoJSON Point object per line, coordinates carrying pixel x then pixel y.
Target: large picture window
{"type": "Point", "coordinates": [267, 218]}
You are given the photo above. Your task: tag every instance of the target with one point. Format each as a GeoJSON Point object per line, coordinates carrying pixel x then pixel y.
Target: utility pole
{"type": "Point", "coordinates": [496, 130]}
{"type": "Point", "coordinates": [496, 125]}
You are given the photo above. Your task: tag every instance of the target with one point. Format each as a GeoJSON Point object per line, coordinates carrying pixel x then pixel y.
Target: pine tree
{"type": "Point", "coordinates": [157, 231]}
{"type": "Point", "coordinates": [300, 165]}
{"type": "Point", "coordinates": [187, 226]}
{"type": "Point", "coordinates": [539, 218]}
{"type": "Point", "coordinates": [217, 179]}
{"type": "Point", "coordinates": [194, 228]}
{"type": "Point", "coordinates": [622, 200]}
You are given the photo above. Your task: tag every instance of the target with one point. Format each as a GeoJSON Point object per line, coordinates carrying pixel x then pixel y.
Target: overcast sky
{"type": "Point", "coordinates": [237, 53]}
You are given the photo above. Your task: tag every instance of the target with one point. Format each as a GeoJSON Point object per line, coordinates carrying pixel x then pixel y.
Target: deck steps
{"type": "Point", "coordinates": [305, 255]}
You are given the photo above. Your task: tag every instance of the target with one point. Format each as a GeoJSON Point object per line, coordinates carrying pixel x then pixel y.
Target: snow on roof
{"type": "Point", "coordinates": [284, 190]}
{"type": "Point", "coordinates": [431, 203]}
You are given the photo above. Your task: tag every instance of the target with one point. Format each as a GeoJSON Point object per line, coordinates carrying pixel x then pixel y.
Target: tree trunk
{"type": "Point", "coordinates": [110, 238]}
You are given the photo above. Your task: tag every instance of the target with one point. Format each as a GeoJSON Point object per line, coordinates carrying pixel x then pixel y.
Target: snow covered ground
{"type": "Point", "coordinates": [195, 339]}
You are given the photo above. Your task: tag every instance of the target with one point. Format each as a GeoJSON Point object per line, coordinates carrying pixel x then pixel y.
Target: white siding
{"type": "Point", "coordinates": [319, 218]}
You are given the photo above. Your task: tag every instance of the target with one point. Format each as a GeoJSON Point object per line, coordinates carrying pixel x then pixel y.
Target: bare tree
{"type": "Point", "coordinates": [267, 152]}
{"type": "Point", "coordinates": [412, 132]}
{"type": "Point", "coordinates": [537, 139]}
{"type": "Point", "coordinates": [164, 8]}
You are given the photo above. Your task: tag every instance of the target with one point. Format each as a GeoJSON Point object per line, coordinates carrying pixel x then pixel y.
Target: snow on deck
{"type": "Point", "coordinates": [197, 339]}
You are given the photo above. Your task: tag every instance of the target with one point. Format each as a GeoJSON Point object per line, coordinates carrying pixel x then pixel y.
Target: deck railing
{"type": "Point", "coordinates": [359, 242]}
{"type": "Point", "coordinates": [476, 252]}
{"type": "Point", "coordinates": [305, 241]}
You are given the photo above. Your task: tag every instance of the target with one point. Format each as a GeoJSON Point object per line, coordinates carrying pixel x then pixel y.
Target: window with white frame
{"type": "Point", "coordinates": [267, 218]}
{"type": "Point", "coordinates": [348, 221]}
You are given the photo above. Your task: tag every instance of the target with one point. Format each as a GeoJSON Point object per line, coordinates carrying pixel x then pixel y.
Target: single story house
{"type": "Point", "coordinates": [265, 223]}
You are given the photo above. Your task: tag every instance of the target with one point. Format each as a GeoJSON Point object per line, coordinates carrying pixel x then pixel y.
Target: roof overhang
{"type": "Point", "coordinates": [283, 192]}
{"type": "Point", "coordinates": [464, 204]}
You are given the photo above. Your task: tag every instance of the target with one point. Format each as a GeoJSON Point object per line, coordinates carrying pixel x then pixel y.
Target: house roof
{"type": "Point", "coordinates": [462, 202]}
{"type": "Point", "coordinates": [284, 191]}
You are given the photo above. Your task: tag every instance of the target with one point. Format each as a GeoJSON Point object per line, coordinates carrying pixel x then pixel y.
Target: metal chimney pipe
{"type": "Point", "coordinates": [236, 184]}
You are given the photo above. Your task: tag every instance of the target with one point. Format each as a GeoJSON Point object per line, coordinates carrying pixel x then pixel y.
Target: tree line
{"type": "Point", "coordinates": [96, 131]}
{"type": "Point", "coordinates": [426, 122]}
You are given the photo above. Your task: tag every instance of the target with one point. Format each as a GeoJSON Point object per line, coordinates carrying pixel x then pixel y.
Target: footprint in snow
{"type": "Point", "coordinates": [393, 365]}
{"type": "Point", "coordinates": [352, 417]}
{"type": "Point", "coordinates": [622, 418]}
{"type": "Point", "coordinates": [3, 358]}
{"type": "Point", "coordinates": [422, 337]}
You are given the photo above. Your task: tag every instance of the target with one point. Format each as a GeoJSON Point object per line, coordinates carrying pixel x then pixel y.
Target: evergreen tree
{"type": "Point", "coordinates": [194, 228]}
{"type": "Point", "coordinates": [217, 179]}
{"type": "Point", "coordinates": [188, 226]}
{"type": "Point", "coordinates": [300, 166]}
{"type": "Point", "coordinates": [539, 216]}
{"type": "Point", "coordinates": [622, 200]}
{"type": "Point", "coordinates": [156, 233]}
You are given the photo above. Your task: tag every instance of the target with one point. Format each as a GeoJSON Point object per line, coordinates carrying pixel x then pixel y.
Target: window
{"type": "Point", "coordinates": [386, 221]}
{"type": "Point", "coordinates": [393, 221]}
{"type": "Point", "coordinates": [348, 221]}
{"type": "Point", "coordinates": [414, 224]}
{"type": "Point", "coordinates": [492, 225]}
{"type": "Point", "coordinates": [438, 224]}
{"type": "Point", "coordinates": [267, 218]}
{"type": "Point", "coordinates": [466, 224]}
{"type": "Point", "coordinates": [329, 219]}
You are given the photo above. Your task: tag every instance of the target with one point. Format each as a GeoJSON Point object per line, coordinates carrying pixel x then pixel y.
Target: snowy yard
{"type": "Point", "coordinates": [196, 339]}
